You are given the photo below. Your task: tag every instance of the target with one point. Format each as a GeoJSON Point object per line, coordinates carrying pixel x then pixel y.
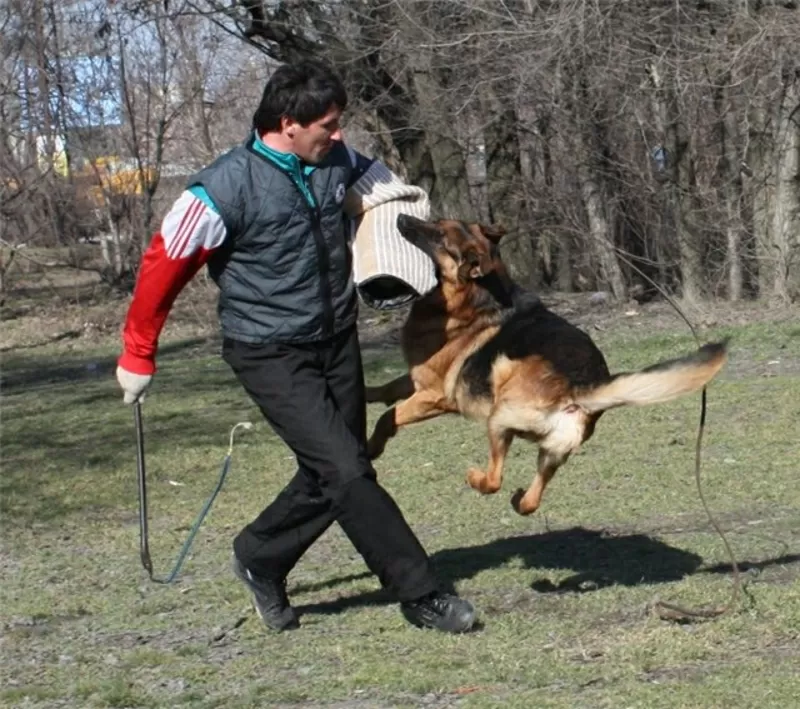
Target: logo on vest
{"type": "Point", "coordinates": [340, 193]}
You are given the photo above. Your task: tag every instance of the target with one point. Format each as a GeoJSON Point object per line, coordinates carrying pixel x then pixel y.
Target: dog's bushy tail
{"type": "Point", "coordinates": [658, 383]}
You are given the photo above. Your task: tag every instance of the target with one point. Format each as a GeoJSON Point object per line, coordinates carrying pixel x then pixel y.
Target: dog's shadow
{"type": "Point", "coordinates": [596, 558]}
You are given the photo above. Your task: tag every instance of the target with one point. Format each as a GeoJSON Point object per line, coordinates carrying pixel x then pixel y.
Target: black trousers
{"type": "Point", "coordinates": [313, 397]}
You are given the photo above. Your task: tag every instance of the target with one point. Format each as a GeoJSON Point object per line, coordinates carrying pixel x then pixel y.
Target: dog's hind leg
{"type": "Point", "coordinates": [500, 439]}
{"type": "Point", "coordinates": [526, 503]}
{"type": "Point", "coordinates": [419, 407]}
{"type": "Point", "coordinates": [400, 388]}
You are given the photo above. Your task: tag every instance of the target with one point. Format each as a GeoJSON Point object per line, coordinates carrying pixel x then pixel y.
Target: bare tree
{"type": "Point", "coordinates": [611, 139]}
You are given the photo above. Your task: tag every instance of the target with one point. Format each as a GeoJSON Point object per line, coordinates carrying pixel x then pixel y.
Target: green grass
{"type": "Point", "coordinates": [564, 594]}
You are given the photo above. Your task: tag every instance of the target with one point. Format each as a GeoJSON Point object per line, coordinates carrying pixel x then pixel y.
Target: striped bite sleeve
{"type": "Point", "coordinates": [380, 253]}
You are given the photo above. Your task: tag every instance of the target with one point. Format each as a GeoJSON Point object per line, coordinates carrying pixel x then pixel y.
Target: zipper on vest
{"type": "Point", "coordinates": [324, 266]}
{"type": "Point", "coordinates": [316, 228]}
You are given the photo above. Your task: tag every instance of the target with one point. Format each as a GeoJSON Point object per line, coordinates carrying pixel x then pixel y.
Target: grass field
{"type": "Point", "coordinates": [564, 595]}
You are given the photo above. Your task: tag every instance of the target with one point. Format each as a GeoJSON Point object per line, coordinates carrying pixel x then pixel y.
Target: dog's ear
{"type": "Point", "coordinates": [493, 232]}
{"type": "Point", "coordinates": [475, 266]}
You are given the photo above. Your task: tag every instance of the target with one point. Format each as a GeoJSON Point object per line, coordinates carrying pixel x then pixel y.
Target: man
{"type": "Point", "coordinates": [267, 220]}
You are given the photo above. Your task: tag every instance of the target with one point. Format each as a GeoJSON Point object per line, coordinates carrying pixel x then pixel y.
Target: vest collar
{"type": "Point", "coordinates": [288, 163]}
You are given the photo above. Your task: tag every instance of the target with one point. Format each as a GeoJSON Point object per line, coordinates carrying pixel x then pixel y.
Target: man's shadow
{"type": "Point", "coordinates": [596, 558]}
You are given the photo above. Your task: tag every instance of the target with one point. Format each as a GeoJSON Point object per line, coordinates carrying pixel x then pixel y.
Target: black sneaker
{"type": "Point", "coordinates": [440, 611]}
{"type": "Point", "coordinates": [269, 598]}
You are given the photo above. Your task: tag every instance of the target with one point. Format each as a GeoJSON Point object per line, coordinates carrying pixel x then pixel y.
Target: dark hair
{"type": "Point", "coordinates": [304, 91]}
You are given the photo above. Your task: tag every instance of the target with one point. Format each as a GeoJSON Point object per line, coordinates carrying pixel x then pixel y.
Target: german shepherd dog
{"type": "Point", "coordinates": [481, 346]}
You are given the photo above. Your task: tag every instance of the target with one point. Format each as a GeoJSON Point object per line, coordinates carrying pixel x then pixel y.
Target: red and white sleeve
{"type": "Point", "coordinates": [189, 234]}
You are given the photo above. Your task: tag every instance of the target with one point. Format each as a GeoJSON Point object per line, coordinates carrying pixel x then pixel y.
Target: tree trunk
{"type": "Point", "coordinates": [786, 212]}
{"type": "Point", "coordinates": [730, 187]}
{"type": "Point", "coordinates": [760, 187]}
{"type": "Point", "coordinates": [680, 167]}
{"type": "Point", "coordinates": [195, 82]}
{"type": "Point", "coordinates": [592, 146]}
{"type": "Point", "coordinates": [476, 166]}
{"type": "Point", "coordinates": [45, 124]}
{"type": "Point", "coordinates": [600, 232]}
{"type": "Point", "coordinates": [505, 185]}
{"type": "Point", "coordinates": [439, 163]}
{"type": "Point", "coordinates": [105, 251]}
{"type": "Point", "coordinates": [534, 166]}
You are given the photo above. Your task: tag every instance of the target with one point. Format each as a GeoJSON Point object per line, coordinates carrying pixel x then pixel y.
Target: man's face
{"type": "Point", "coordinates": [313, 142]}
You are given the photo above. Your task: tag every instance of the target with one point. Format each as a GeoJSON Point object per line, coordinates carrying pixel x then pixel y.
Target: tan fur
{"type": "Point", "coordinates": [643, 388]}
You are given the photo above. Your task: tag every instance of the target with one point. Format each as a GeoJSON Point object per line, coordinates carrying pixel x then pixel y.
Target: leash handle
{"type": "Point", "coordinates": [144, 551]}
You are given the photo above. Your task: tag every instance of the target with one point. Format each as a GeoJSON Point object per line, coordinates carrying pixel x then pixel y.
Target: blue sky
{"type": "Point", "coordinates": [93, 96]}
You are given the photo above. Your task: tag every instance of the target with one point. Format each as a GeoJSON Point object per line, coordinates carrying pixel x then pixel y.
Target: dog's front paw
{"type": "Point", "coordinates": [478, 480]}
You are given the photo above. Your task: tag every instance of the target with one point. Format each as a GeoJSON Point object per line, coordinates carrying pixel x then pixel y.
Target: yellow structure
{"type": "Point", "coordinates": [112, 176]}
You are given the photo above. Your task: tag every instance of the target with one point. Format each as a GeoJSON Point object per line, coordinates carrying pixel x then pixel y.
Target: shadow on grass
{"type": "Point", "coordinates": [40, 463]}
{"type": "Point", "coordinates": [66, 420]}
{"type": "Point", "coordinates": [597, 559]}
{"type": "Point", "coordinates": [758, 566]}
{"type": "Point", "coordinates": [26, 372]}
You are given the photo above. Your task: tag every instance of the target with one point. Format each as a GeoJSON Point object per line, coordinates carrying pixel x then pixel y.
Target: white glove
{"type": "Point", "coordinates": [133, 385]}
